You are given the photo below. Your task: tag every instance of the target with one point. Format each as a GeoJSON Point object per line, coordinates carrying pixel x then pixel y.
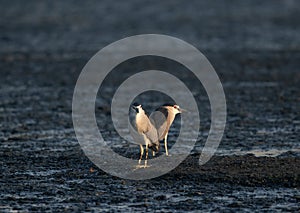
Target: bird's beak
{"type": "Point", "coordinates": [134, 108]}
{"type": "Point", "coordinates": [183, 110]}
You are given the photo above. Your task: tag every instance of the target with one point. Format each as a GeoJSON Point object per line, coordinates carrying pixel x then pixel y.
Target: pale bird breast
{"type": "Point", "coordinates": [142, 122]}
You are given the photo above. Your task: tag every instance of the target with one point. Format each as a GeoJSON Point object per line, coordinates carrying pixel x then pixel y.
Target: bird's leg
{"type": "Point", "coordinates": [142, 153]}
{"type": "Point", "coordinates": [153, 153]}
{"type": "Point", "coordinates": [146, 155]}
{"type": "Point", "coordinates": [166, 144]}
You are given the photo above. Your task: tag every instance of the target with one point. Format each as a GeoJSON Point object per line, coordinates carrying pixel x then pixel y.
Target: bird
{"type": "Point", "coordinates": [163, 118]}
{"type": "Point", "coordinates": [145, 128]}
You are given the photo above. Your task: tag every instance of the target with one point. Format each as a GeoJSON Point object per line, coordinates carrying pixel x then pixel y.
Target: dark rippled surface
{"type": "Point", "coordinates": [254, 47]}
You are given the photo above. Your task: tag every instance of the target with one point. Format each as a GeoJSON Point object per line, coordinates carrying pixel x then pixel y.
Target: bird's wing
{"type": "Point", "coordinates": [151, 134]}
{"type": "Point", "coordinates": [159, 120]}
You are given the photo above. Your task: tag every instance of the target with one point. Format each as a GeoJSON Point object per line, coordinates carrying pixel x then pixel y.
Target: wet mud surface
{"type": "Point", "coordinates": [253, 46]}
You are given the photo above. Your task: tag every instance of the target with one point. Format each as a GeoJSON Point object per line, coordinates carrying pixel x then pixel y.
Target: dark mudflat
{"type": "Point", "coordinates": [255, 49]}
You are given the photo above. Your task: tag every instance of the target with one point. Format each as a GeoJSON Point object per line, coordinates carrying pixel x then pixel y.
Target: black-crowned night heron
{"type": "Point", "coordinates": [147, 130]}
{"type": "Point", "coordinates": [163, 118]}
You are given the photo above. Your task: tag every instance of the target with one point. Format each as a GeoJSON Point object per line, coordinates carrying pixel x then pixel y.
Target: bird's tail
{"type": "Point", "coordinates": [154, 146]}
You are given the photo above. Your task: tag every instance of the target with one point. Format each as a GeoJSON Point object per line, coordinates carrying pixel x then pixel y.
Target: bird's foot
{"type": "Point", "coordinates": [141, 167]}
{"type": "Point", "coordinates": [146, 166]}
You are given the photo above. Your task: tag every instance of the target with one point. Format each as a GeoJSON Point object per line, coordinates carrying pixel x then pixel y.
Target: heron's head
{"type": "Point", "coordinates": [176, 109]}
{"type": "Point", "coordinates": [137, 107]}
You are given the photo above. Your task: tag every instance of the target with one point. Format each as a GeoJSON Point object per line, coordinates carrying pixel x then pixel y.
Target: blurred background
{"type": "Point", "coordinates": [73, 26]}
{"type": "Point", "coordinates": [253, 46]}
